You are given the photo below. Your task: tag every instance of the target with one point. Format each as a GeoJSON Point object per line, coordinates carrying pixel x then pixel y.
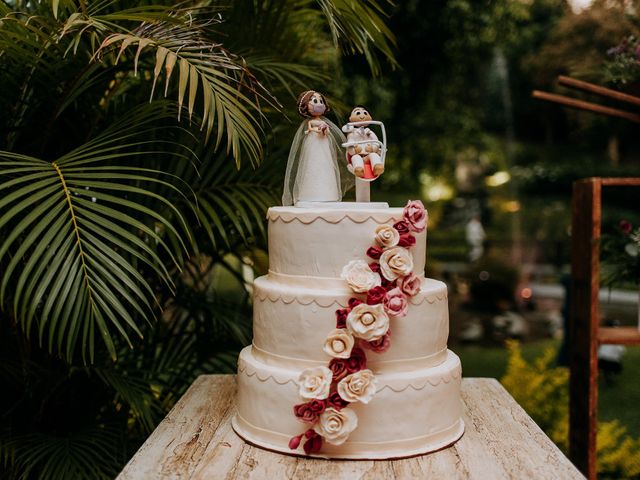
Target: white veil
{"type": "Point", "coordinates": [297, 157]}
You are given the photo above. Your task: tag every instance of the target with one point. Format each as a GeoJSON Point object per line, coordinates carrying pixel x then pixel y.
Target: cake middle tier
{"type": "Point", "coordinates": [290, 325]}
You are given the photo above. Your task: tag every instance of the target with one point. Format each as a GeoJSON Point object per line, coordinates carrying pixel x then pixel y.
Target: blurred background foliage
{"type": "Point", "coordinates": [197, 100]}
{"type": "Point", "coordinates": [542, 389]}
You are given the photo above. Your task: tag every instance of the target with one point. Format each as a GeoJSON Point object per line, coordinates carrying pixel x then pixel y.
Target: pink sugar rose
{"type": "Point", "coordinates": [357, 361]}
{"type": "Point", "coordinates": [395, 303]}
{"type": "Point", "coordinates": [374, 252]}
{"type": "Point", "coordinates": [380, 345]}
{"type": "Point", "coordinates": [402, 227]}
{"type": "Point", "coordinates": [308, 412]}
{"type": "Point", "coordinates": [376, 295]}
{"type": "Point", "coordinates": [410, 285]}
{"type": "Point", "coordinates": [415, 215]}
{"type": "Point", "coordinates": [341, 317]}
{"type": "Point", "coordinates": [406, 240]}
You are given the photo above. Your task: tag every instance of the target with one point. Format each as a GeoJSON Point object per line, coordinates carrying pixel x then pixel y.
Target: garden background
{"type": "Point", "coordinates": [142, 142]}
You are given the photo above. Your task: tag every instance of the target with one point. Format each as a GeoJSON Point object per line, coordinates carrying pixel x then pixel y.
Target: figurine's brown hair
{"type": "Point", "coordinates": [304, 98]}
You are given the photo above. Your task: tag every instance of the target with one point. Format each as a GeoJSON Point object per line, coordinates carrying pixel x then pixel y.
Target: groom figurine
{"type": "Point", "coordinates": [364, 152]}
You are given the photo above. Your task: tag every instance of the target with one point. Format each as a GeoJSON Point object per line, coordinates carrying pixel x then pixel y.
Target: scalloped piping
{"type": "Point", "coordinates": [243, 369]}
{"type": "Point", "coordinates": [288, 218]}
{"type": "Point", "coordinates": [288, 299]}
{"type": "Point", "coordinates": [454, 375]}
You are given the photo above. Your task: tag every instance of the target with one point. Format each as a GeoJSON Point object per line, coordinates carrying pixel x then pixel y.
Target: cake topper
{"type": "Point", "coordinates": [365, 153]}
{"type": "Point", "coordinates": [315, 172]}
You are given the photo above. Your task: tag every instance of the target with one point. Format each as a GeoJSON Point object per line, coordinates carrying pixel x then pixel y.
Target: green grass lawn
{"type": "Point", "coordinates": [620, 401]}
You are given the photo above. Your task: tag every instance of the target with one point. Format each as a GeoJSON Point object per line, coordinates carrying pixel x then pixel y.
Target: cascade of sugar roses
{"type": "Point", "coordinates": [382, 285]}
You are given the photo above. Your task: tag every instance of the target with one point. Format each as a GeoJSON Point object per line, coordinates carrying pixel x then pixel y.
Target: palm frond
{"type": "Point", "coordinates": [230, 93]}
{"type": "Point", "coordinates": [286, 74]}
{"type": "Point", "coordinates": [359, 28]}
{"type": "Point", "coordinates": [80, 233]}
{"type": "Point", "coordinates": [91, 453]}
{"type": "Point", "coordinates": [231, 205]}
{"type": "Point", "coordinates": [136, 393]}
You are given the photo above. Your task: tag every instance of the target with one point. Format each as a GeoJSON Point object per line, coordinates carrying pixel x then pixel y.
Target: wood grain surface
{"type": "Point", "coordinates": [196, 441]}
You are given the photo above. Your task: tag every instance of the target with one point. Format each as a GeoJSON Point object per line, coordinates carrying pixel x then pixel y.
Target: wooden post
{"type": "Point", "coordinates": [583, 324]}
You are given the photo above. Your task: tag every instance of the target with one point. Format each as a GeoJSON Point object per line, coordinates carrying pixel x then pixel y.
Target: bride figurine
{"type": "Point", "coordinates": [315, 172]}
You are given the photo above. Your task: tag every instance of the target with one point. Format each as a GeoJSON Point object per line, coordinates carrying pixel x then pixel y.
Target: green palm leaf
{"type": "Point", "coordinates": [229, 91]}
{"type": "Point", "coordinates": [359, 28]}
{"type": "Point", "coordinates": [90, 453]}
{"type": "Point", "coordinates": [80, 228]}
{"type": "Point", "coordinates": [231, 205]}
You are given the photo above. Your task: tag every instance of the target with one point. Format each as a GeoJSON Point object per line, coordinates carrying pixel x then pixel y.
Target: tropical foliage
{"type": "Point", "coordinates": [543, 391]}
{"type": "Point", "coordinates": [133, 192]}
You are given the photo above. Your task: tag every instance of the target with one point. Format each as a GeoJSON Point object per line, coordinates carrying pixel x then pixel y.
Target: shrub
{"type": "Point", "coordinates": [543, 391]}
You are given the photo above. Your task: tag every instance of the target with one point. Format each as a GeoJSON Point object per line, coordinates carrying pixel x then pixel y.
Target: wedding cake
{"type": "Point", "coordinates": [349, 356]}
{"type": "Point", "coordinates": [409, 401]}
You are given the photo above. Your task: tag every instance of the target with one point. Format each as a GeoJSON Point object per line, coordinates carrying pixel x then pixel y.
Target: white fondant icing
{"type": "Point", "coordinates": [319, 242]}
{"type": "Point", "coordinates": [290, 325]}
{"type": "Point", "coordinates": [412, 412]}
{"type": "Point", "coordinates": [355, 450]}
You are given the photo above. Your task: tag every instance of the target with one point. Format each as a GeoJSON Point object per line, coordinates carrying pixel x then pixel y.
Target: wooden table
{"type": "Point", "coordinates": [196, 441]}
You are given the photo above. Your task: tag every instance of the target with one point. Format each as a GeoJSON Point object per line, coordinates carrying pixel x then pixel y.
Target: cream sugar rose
{"type": "Point", "coordinates": [324, 373]}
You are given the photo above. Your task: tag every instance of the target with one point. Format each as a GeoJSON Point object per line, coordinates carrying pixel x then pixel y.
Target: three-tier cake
{"type": "Point", "coordinates": [349, 356]}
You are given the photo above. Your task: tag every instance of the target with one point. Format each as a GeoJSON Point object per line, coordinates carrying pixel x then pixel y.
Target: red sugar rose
{"type": "Point", "coordinates": [375, 267]}
{"type": "Point", "coordinates": [295, 442]}
{"type": "Point", "coordinates": [407, 240]}
{"type": "Point", "coordinates": [402, 227]}
{"type": "Point", "coordinates": [336, 401]}
{"type": "Point", "coordinates": [626, 227]}
{"type": "Point", "coordinates": [341, 367]}
{"type": "Point", "coordinates": [338, 367]}
{"type": "Point", "coordinates": [387, 284]}
{"type": "Point", "coordinates": [341, 317]}
{"type": "Point", "coordinates": [354, 302]}
{"type": "Point", "coordinates": [374, 252]}
{"type": "Point", "coordinates": [313, 444]}
{"type": "Point", "coordinates": [308, 412]}
{"type": "Point", "coordinates": [376, 295]}
{"type": "Point", "coordinates": [357, 361]}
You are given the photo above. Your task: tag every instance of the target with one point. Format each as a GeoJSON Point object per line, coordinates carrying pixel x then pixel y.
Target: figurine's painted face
{"type": "Point", "coordinates": [316, 105]}
{"type": "Point", "coordinates": [360, 114]}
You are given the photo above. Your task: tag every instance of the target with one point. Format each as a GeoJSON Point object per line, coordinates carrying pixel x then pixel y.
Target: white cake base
{"type": "Point", "coordinates": [412, 412]}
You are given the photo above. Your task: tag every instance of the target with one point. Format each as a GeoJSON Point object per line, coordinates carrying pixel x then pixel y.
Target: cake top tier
{"type": "Point", "coordinates": [313, 244]}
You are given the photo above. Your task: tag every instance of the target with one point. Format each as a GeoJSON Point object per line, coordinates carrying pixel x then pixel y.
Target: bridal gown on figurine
{"type": "Point", "coordinates": [316, 169]}
{"type": "Point", "coordinates": [317, 180]}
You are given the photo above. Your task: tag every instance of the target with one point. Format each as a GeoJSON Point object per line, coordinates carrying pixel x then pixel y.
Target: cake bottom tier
{"type": "Point", "coordinates": [411, 413]}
